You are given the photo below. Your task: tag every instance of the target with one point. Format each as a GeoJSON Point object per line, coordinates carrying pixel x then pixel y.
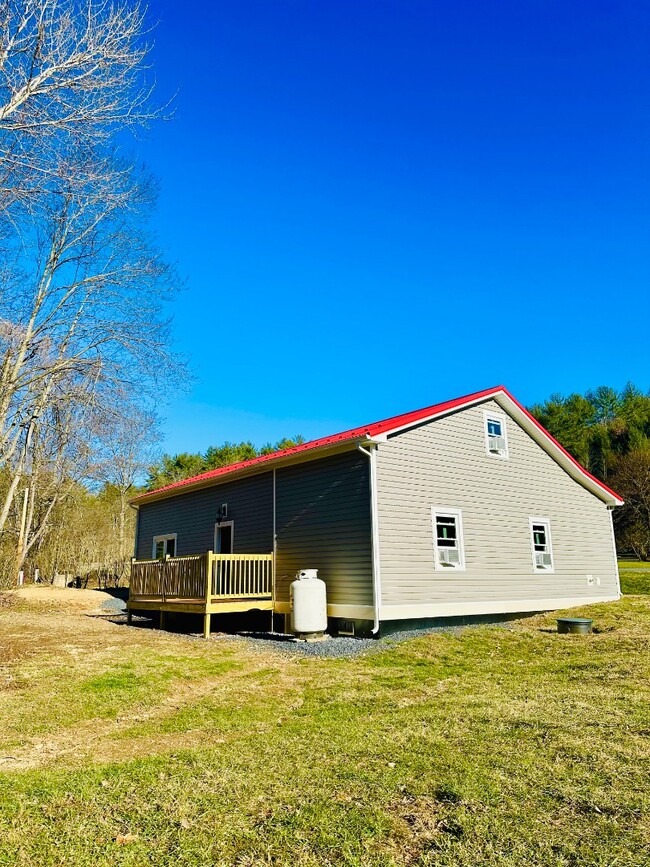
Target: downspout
{"type": "Point", "coordinates": [275, 550]}
{"type": "Point", "coordinates": [137, 530]}
{"type": "Point", "coordinates": [371, 453]}
{"type": "Point", "coordinates": [610, 509]}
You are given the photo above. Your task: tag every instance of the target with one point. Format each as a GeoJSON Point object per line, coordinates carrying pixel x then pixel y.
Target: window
{"type": "Point", "coordinates": [164, 546]}
{"type": "Point", "coordinates": [496, 438]}
{"type": "Point", "coordinates": [448, 539]}
{"type": "Point", "coordinates": [540, 540]}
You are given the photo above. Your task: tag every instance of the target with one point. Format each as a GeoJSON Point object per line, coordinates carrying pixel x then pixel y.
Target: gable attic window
{"type": "Point", "coordinates": [496, 436]}
{"type": "Point", "coordinates": [164, 546]}
{"type": "Point", "coordinates": [540, 539]}
{"type": "Point", "coordinates": [448, 539]}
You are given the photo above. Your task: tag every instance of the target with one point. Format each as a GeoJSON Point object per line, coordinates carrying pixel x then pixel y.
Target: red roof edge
{"type": "Point", "coordinates": [541, 427]}
{"type": "Point", "coordinates": [372, 430]}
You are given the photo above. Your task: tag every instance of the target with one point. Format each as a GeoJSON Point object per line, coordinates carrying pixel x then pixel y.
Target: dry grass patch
{"type": "Point", "coordinates": [44, 599]}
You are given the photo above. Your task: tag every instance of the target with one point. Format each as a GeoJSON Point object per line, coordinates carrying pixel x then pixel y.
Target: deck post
{"type": "Point", "coordinates": [272, 568]}
{"type": "Point", "coordinates": [162, 620]}
{"type": "Point", "coordinates": [207, 617]}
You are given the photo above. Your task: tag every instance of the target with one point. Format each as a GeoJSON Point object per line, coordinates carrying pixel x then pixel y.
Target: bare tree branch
{"type": "Point", "coordinates": [83, 289]}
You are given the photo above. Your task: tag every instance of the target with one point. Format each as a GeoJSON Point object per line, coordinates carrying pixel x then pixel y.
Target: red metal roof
{"type": "Point", "coordinates": [373, 430]}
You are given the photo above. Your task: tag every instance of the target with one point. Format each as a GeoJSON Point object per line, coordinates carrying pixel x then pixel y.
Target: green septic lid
{"type": "Point", "coordinates": [574, 620]}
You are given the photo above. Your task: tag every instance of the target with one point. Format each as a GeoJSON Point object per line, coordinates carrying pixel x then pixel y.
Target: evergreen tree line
{"type": "Point", "coordinates": [175, 468]}
{"type": "Point", "coordinates": [608, 432]}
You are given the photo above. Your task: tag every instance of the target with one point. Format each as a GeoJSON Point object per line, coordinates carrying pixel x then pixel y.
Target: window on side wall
{"type": "Point", "coordinates": [496, 435]}
{"type": "Point", "coordinates": [448, 539]}
{"type": "Point", "coordinates": [540, 539]}
{"type": "Point", "coordinates": [164, 546]}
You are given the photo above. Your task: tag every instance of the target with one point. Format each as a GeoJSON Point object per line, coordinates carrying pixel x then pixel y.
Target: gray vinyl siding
{"type": "Point", "coordinates": [193, 515]}
{"type": "Point", "coordinates": [444, 463]}
{"type": "Point", "coordinates": [323, 522]}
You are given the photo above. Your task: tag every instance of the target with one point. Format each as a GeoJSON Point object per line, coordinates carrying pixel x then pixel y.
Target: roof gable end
{"type": "Point", "coordinates": [529, 423]}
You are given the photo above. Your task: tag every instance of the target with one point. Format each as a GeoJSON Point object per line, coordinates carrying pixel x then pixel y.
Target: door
{"type": "Point", "coordinates": [224, 536]}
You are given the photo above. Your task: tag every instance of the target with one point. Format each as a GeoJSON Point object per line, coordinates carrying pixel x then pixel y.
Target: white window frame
{"type": "Point", "coordinates": [496, 416]}
{"type": "Point", "coordinates": [163, 538]}
{"type": "Point", "coordinates": [230, 524]}
{"type": "Point", "coordinates": [546, 570]}
{"type": "Point", "coordinates": [445, 512]}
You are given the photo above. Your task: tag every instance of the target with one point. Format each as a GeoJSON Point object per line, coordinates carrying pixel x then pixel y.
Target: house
{"type": "Point", "coordinates": [465, 508]}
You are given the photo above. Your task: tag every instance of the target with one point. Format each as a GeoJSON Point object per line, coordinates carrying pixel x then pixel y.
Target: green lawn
{"type": "Point", "coordinates": [635, 576]}
{"type": "Point", "coordinates": [488, 747]}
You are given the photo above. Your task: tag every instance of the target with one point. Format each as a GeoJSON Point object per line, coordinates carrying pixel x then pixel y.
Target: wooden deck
{"type": "Point", "coordinates": [204, 584]}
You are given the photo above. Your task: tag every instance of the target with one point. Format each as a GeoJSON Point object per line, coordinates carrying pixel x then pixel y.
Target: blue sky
{"type": "Point", "coordinates": [380, 205]}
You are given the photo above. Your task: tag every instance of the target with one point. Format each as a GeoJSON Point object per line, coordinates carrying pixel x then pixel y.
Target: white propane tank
{"type": "Point", "coordinates": [308, 598]}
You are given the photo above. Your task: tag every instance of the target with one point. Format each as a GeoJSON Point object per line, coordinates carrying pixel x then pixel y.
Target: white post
{"type": "Point", "coordinates": [21, 536]}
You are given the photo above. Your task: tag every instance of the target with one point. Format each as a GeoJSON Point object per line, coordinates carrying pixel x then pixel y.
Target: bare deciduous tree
{"type": "Point", "coordinates": [60, 450]}
{"type": "Point", "coordinates": [71, 75]}
{"type": "Point", "coordinates": [88, 324]}
{"type": "Point", "coordinates": [125, 451]}
{"type": "Point", "coordinates": [631, 479]}
{"type": "Point", "coordinates": [82, 288]}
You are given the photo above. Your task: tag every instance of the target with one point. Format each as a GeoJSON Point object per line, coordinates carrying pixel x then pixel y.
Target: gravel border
{"type": "Point", "coordinates": [114, 605]}
{"type": "Point", "coordinates": [333, 647]}
{"type": "Point", "coordinates": [340, 646]}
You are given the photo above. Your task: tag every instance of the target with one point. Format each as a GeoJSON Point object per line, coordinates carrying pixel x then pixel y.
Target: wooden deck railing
{"type": "Point", "coordinates": [232, 576]}
{"type": "Point", "coordinates": [242, 575]}
{"type": "Point", "coordinates": [173, 577]}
